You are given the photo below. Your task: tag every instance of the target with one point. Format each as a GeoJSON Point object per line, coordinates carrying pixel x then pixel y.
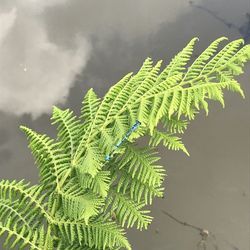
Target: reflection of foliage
{"type": "Point", "coordinates": [83, 201]}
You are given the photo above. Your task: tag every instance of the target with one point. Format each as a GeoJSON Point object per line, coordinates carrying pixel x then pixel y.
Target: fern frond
{"type": "Point", "coordinates": [222, 58]}
{"type": "Point", "coordinates": [68, 129]}
{"type": "Point", "coordinates": [142, 73]}
{"type": "Point", "coordinates": [196, 67]}
{"type": "Point", "coordinates": [99, 184]}
{"type": "Point", "coordinates": [91, 161]}
{"type": "Point", "coordinates": [174, 125]}
{"type": "Point", "coordinates": [54, 164]}
{"type": "Point", "coordinates": [22, 237]}
{"type": "Point", "coordinates": [90, 106]}
{"type": "Point", "coordinates": [128, 212]}
{"type": "Point", "coordinates": [136, 174]}
{"type": "Point", "coordinates": [30, 199]}
{"type": "Point", "coordinates": [120, 127]}
{"type": "Point", "coordinates": [140, 162]}
{"type": "Point", "coordinates": [121, 95]}
{"type": "Point", "coordinates": [137, 190]}
{"type": "Point", "coordinates": [195, 96]}
{"type": "Point", "coordinates": [180, 95]}
{"type": "Point", "coordinates": [22, 214]}
{"type": "Point", "coordinates": [100, 114]}
{"type": "Point", "coordinates": [170, 141]}
{"type": "Point", "coordinates": [178, 63]}
{"type": "Point", "coordinates": [146, 85]}
{"type": "Point", "coordinates": [156, 113]}
{"type": "Point", "coordinates": [110, 97]}
{"type": "Point", "coordinates": [11, 209]}
{"type": "Point", "coordinates": [139, 112]}
{"type": "Point", "coordinates": [64, 245]}
{"type": "Point", "coordinates": [78, 205]}
{"type": "Point", "coordinates": [98, 234]}
{"type": "Point", "coordinates": [106, 141]}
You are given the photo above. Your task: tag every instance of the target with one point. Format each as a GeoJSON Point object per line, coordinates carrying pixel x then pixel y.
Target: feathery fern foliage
{"type": "Point", "coordinates": [84, 201]}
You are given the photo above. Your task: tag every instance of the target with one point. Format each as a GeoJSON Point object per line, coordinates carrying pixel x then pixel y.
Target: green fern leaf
{"type": "Point", "coordinates": [129, 212]}
{"type": "Point", "coordinates": [140, 161]}
{"type": "Point", "coordinates": [77, 204]}
{"type": "Point", "coordinates": [178, 63]}
{"type": "Point", "coordinates": [90, 106]}
{"type": "Point", "coordinates": [169, 140]}
{"type": "Point", "coordinates": [137, 190]}
{"type": "Point", "coordinates": [30, 199]}
{"type": "Point", "coordinates": [54, 165]}
{"type": "Point", "coordinates": [98, 234]}
{"type": "Point", "coordinates": [68, 129]}
{"type": "Point", "coordinates": [22, 238]}
{"type": "Point", "coordinates": [99, 184]}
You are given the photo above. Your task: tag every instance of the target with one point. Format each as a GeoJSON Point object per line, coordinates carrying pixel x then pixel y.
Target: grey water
{"type": "Point", "coordinates": [52, 52]}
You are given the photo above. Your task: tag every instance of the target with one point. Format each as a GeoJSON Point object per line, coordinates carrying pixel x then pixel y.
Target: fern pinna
{"type": "Point", "coordinates": [85, 197]}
